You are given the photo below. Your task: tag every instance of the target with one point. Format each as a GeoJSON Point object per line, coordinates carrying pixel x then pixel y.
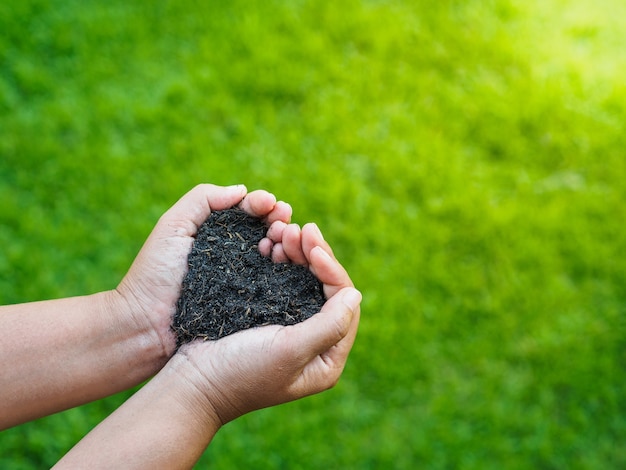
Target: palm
{"type": "Point", "coordinates": [153, 283]}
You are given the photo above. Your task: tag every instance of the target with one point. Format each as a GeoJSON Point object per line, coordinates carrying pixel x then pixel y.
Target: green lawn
{"type": "Point", "coordinates": [466, 159]}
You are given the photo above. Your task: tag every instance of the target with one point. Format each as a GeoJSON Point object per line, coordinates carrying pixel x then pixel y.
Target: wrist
{"type": "Point", "coordinates": [195, 392]}
{"type": "Point", "coordinates": [153, 346]}
{"type": "Point", "coordinates": [205, 370]}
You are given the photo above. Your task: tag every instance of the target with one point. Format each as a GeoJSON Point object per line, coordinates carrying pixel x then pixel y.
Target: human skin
{"type": "Point", "coordinates": [61, 353]}
{"type": "Point", "coordinates": [171, 420]}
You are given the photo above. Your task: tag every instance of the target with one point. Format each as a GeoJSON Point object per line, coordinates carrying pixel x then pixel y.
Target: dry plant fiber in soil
{"type": "Point", "coordinates": [230, 286]}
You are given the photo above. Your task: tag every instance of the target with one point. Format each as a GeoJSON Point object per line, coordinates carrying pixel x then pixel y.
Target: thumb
{"type": "Point", "coordinates": [335, 324]}
{"type": "Point", "coordinates": [191, 210]}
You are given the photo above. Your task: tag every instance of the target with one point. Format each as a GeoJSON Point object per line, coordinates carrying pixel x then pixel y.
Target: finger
{"type": "Point", "coordinates": [281, 211]}
{"type": "Point", "coordinates": [328, 271]}
{"type": "Point", "coordinates": [265, 247]}
{"type": "Point", "coordinates": [278, 254]}
{"type": "Point", "coordinates": [292, 244]}
{"type": "Point", "coordinates": [312, 237]}
{"type": "Point", "coordinates": [326, 340]}
{"type": "Point", "coordinates": [194, 207]}
{"type": "Point", "coordinates": [322, 261]}
{"type": "Point", "coordinates": [338, 353]}
{"type": "Point", "coordinates": [330, 327]}
{"type": "Point", "coordinates": [258, 203]}
{"type": "Point", "coordinates": [275, 232]}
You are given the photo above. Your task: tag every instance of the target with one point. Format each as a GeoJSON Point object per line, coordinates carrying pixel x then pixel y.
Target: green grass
{"type": "Point", "coordinates": [465, 158]}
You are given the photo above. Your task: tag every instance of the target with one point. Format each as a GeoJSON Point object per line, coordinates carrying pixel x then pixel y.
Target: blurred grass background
{"type": "Point", "coordinates": [466, 159]}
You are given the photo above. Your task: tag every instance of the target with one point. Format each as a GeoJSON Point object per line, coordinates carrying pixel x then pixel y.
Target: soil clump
{"type": "Point", "coordinates": [230, 286]}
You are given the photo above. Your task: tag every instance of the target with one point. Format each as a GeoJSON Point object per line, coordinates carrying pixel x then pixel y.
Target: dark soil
{"type": "Point", "coordinates": [230, 287]}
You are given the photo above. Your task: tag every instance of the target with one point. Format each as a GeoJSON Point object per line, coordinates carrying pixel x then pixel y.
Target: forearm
{"type": "Point", "coordinates": [58, 354]}
{"type": "Point", "coordinates": [166, 424]}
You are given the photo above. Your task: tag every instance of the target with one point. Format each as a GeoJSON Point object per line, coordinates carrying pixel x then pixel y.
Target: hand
{"type": "Point", "coordinates": [152, 286]}
{"type": "Point", "coordinates": [169, 422]}
{"type": "Point", "coordinates": [265, 366]}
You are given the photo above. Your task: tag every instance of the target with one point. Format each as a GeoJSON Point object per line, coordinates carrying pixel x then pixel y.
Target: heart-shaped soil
{"type": "Point", "coordinates": [230, 287]}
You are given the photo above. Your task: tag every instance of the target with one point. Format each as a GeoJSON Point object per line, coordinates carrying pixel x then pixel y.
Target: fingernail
{"type": "Point", "coordinates": [318, 231]}
{"type": "Point", "coordinates": [240, 187]}
{"type": "Point", "coordinates": [352, 298]}
{"type": "Point", "coordinates": [321, 250]}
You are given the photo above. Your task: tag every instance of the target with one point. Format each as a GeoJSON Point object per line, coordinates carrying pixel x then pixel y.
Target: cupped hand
{"type": "Point", "coordinates": [265, 366]}
{"type": "Point", "coordinates": [151, 287]}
